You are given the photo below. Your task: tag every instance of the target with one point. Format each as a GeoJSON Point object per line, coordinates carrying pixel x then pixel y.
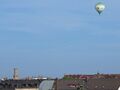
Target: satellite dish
{"type": "Point", "coordinates": [46, 85]}
{"type": "Point", "coordinates": [119, 88]}
{"type": "Point", "coordinates": [100, 7]}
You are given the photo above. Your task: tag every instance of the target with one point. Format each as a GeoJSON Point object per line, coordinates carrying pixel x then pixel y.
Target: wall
{"type": "Point", "coordinates": [26, 89]}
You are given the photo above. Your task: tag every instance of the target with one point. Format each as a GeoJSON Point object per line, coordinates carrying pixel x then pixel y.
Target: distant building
{"type": "Point", "coordinates": [80, 76]}
{"type": "Point", "coordinates": [68, 82]}
{"type": "Point", "coordinates": [22, 84]}
{"type": "Point", "coordinates": [16, 74]}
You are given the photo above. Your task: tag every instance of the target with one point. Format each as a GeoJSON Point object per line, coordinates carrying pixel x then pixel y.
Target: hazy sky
{"type": "Point", "coordinates": [57, 37]}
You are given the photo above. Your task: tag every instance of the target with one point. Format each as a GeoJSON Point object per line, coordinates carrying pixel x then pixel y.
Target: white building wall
{"type": "Point", "coordinates": [27, 89]}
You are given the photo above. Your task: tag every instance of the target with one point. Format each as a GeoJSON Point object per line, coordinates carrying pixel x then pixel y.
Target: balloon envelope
{"type": "Point", "coordinates": [100, 7]}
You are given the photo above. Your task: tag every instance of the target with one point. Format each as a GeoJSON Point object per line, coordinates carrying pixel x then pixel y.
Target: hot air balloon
{"type": "Point", "coordinates": [100, 7]}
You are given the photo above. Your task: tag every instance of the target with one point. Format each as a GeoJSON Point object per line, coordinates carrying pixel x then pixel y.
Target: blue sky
{"type": "Point", "coordinates": [57, 37]}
